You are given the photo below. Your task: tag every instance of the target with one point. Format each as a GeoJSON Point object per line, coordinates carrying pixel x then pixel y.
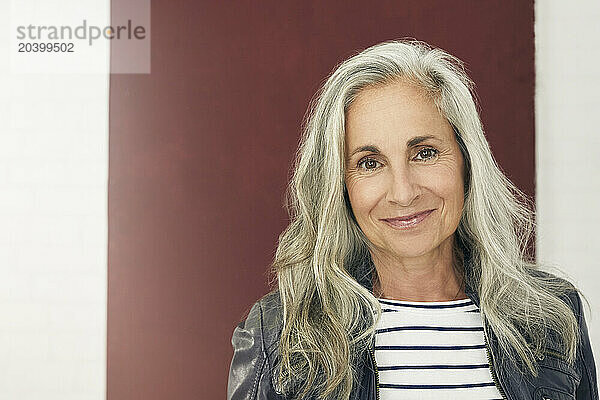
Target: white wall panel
{"type": "Point", "coordinates": [567, 145]}
{"type": "Point", "coordinates": [53, 214]}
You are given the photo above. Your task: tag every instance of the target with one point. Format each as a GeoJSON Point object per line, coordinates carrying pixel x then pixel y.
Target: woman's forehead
{"type": "Point", "coordinates": [396, 111]}
{"type": "Point", "coordinates": [409, 90]}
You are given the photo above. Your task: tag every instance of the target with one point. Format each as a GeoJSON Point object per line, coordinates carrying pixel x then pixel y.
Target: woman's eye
{"type": "Point", "coordinates": [427, 154]}
{"type": "Point", "coordinates": [368, 164]}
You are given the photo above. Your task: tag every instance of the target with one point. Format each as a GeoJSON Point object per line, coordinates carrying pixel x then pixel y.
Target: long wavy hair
{"type": "Point", "coordinates": [323, 261]}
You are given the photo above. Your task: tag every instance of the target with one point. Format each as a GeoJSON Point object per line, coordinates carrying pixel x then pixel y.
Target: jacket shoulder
{"type": "Point", "coordinates": [265, 320]}
{"type": "Point", "coordinates": [272, 319]}
{"type": "Point", "coordinates": [571, 297]}
{"type": "Point", "coordinates": [253, 342]}
{"type": "Point", "coordinates": [549, 276]}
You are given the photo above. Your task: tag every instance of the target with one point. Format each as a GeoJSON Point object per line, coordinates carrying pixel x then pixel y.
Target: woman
{"type": "Point", "coordinates": [404, 271]}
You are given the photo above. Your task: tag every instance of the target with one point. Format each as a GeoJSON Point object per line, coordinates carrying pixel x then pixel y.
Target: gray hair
{"type": "Point", "coordinates": [329, 318]}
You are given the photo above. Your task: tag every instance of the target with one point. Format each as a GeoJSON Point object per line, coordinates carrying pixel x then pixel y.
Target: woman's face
{"type": "Point", "coordinates": [402, 159]}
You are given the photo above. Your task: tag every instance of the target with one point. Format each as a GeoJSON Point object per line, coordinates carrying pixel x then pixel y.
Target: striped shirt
{"type": "Point", "coordinates": [432, 350]}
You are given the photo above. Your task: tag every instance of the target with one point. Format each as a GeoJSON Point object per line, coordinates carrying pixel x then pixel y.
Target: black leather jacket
{"type": "Point", "coordinates": [255, 352]}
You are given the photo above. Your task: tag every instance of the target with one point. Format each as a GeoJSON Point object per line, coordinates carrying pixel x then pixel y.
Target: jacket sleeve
{"type": "Point", "coordinates": [588, 386]}
{"type": "Point", "coordinates": [249, 364]}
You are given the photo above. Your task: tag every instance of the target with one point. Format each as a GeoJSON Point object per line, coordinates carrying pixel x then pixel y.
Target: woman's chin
{"type": "Point", "coordinates": [408, 250]}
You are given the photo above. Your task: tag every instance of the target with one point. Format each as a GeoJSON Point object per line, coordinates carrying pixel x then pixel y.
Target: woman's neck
{"type": "Point", "coordinates": [433, 277]}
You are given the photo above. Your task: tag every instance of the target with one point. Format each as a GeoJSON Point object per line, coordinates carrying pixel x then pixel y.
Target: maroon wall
{"type": "Point", "coordinates": [200, 152]}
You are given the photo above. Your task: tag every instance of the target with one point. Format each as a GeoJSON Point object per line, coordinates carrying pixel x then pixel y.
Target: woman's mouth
{"type": "Point", "coordinates": [408, 221]}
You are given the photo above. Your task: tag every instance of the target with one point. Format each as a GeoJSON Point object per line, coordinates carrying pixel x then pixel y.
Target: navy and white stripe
{"type": "Point", "coordinates": [432, 350]}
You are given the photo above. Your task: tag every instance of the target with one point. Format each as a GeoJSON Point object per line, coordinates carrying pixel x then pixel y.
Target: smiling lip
{"type": "Point", "coordinates": [407, 221]}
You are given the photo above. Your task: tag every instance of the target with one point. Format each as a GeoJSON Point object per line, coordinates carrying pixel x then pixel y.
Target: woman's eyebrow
{"type": "Point", "coordinates": [369, 147]}
{"type": "Point", "coordinates": [418, 139]}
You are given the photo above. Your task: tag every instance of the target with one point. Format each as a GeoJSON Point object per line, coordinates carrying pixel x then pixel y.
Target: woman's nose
{"type": "Point", "coordinates": [403, 186]}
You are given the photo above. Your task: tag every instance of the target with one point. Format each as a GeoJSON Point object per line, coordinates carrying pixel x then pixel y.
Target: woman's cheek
{"type": "Point", "coordinates": [364, 193]}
